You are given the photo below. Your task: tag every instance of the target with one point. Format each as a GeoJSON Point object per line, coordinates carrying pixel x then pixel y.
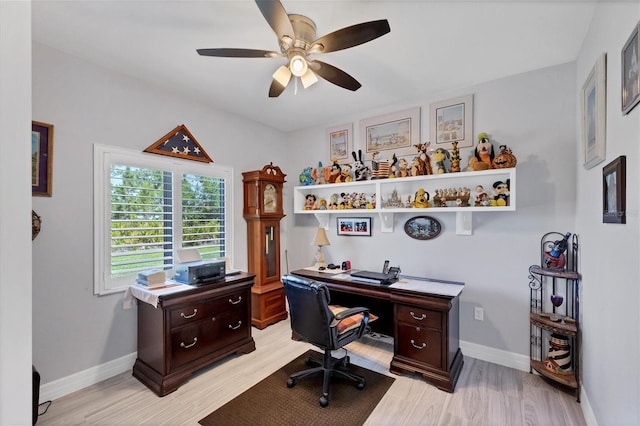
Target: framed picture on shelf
{"type": "Point", "coordinates": [354, 226]}
{"type": "Point", "coordinates": [614, 191]}
{"type": "Point", "coordinates": [395, 133]}
{"type": "Point", "coordinates": [41, 158]}
{"type": "Point", "coordinates": [451, 121]}
{"type": "Point", "coordinates": [340, 143]}
{"type": "Point", "coordinates": [594, 113]}
{"type": "Point", "coordinates": [630, 73]}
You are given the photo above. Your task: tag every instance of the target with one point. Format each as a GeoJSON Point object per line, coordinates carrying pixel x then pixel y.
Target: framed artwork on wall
{"type": "Point", "coordinates": [396, 133]}
{"type": "Point", "coordinates": [340, 143]}
{"type": "Point", "coordinates": [41, 158]}
{"type": "Point", "coordinates": [451, 121]}
{"type": "Point", "coordinates": [614, 191]}
{"type": "Point", "coordinates": [354, 226]}
{"type": "Point", "coordinates": [594, 113]}
{"type": "Point", "coordinates": [630, 73]}
{"type": "Point", "coordinates": [422, 227]}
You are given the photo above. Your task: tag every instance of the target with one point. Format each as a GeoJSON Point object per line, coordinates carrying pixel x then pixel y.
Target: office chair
{"type": "Point", "coordinates": [328, 327]}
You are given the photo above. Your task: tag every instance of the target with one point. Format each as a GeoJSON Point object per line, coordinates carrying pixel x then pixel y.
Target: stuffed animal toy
{"type": "Point", "coordinates": [361, 171]}
{"type": "Point", "coordinates": [505, 159]}
{"type": "Point", "coordinates": [484, 154]}
{"type": "Point", "coordinates": [440, 156]}
{"type": "Point", "coordinates": [379, 166]}
{"type": "Point", "coordinates": [345, 174]}
{"type": "Point", "coordinates": [455, 158]}
{"type": "Point", "coordinates": [319, 174]}
{"type": "Point", "coordinates": [501, 191]}
{"type": "Point", "coordinates": [393, 169]}
{"type": "Point", "coordinates": [421, 200]}
{"type": "Point", "coordinates": [423, 158]}
{"type": "Point", "coordinates": [310, 202]}
{"type": "Point", "coordinates": [334, 171]}
{"type": "Point", "coordinates": [305, 177]}
{"type": "Point", "coordinates": [403, 166]}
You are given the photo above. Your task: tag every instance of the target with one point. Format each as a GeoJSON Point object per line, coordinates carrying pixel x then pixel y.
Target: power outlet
{"type": "Point", "coordinates": [478, 313]}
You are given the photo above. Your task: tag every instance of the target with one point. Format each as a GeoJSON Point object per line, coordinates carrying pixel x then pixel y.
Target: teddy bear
{"type": "Point", "coordinates": [484, 154]}
{"type": "Point", "coordinates": [421, 199]}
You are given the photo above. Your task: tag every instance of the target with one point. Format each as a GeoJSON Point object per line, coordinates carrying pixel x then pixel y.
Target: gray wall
{"type": "Point", "coordinates": [532, 113]}
{"type": "Point", "coordinates": [610, 253]}
{"type": "Point", "coordinates": [72, 329]}
{"type": "Point", "coordinates": [15, 202]}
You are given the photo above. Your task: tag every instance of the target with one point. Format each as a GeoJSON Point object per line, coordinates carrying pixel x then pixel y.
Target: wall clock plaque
{"type": "Point", "coordinates": [422, 227]}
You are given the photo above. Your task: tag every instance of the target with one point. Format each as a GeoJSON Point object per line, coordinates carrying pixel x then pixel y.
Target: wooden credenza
{"type": "Point", "coordinates": [191, 329]}
{"type": "Point", "coordinates": [422, 316]}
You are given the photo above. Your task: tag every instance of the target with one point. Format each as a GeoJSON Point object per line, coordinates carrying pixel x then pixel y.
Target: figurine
{"type": "Point", "coordinates": [505, 159]}
{"type": "Point", "coordinates": [440, 156]}
{"type": "Point", "coordinates": [482, 199]}
{"type": "Point", "coordinates": [403, 165]}
{"type": "Point", "coordinates": [360, 170]}
{"type": "Point", "coordinates": [310, 202]}
{"type": "Point", "coordinates": [394, 166]}
{"type": "Point", "coordinates": [455, 158]}
{"type": "Point", "coordinates": [484, 154]}
{"type": "Point", "coordinates": [421, 199]}
{"type": "Point", "coordinates": [333, 202]}
{"type": "Point", "coordinates": [305, 177]}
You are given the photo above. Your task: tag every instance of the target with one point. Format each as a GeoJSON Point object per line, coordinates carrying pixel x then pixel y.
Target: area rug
{"type": "Point", "coordinates": [271, 402]}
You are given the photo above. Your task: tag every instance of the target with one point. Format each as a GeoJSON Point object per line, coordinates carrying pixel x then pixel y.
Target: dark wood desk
{"type": "Point", "coordinates": [422, 317]}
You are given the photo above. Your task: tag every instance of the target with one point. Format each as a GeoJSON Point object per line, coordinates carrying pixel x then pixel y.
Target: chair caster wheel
{"type": "Point", "coordinates": [360, 385]}
{"type": "Point", "coordinates": [291, 383]}
{"type": "Point", "coordinates": [324, 401]}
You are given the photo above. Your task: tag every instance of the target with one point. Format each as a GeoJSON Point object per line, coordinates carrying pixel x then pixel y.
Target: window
{"type": "Point", "coordinates": [147, 207]}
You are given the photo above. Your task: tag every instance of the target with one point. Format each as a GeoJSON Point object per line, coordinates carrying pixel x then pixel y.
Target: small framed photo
{"type": "Point", "coordinates": [630, 73]}
{"type": "Point", "coordinates": [340, 143]}
{"type": "Point", "coordinates": [614, 191]}
{"type": "Point", "coordinates": [397, 133]}
{"type": "Point", "coordinates": [354, 226]}
{"type": "Point", "coordinates": [41, 158]}
{"type": "Point", "coordinates": [452, 121]}
{"type": "Point", "coordinates": [594, 113]}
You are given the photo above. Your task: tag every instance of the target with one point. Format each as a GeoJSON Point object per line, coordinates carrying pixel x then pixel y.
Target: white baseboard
{"type": "Point", "coordinates": [519, 362]}
{"type": "Point", "coordinates": [82, 379]}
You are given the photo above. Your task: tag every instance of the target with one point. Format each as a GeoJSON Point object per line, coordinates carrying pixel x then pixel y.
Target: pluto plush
{"type": "Point", "coordinates": [484, 154]}
{"type": "Point", "coordinates": [421, 200]}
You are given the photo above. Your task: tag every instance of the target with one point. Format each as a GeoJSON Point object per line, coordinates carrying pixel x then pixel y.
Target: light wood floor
{"type": "Point", "coordinates": [486, 393]}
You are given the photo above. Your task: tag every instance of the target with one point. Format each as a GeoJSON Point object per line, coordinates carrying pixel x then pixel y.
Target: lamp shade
{"type": "Point", "coordinates": [321, 238]}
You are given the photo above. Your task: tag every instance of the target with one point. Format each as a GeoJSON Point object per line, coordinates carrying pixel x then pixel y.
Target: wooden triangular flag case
{"type": "Point", "coordinates": [180, 143]}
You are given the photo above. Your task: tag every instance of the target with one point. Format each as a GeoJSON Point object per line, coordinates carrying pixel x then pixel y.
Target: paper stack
{"type": "Point", "coordinates": [151, 278]}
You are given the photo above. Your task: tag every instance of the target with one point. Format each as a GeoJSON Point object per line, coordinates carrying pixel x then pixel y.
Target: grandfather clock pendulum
{"type": "Point", "coordinates": [263, 212]}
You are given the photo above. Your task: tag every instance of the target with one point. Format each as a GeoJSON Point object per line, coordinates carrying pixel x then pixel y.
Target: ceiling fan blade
{"type": "Point", "coordinates": [277, 17]}
{"type": "Point", "coordinates": [238, 53]}
{"type": "Point", "coordinates": [276, 89]}
{"type": "Point", "coordinates": [351, 36]}
{"type": "Point", "coordinates": [335, 75]}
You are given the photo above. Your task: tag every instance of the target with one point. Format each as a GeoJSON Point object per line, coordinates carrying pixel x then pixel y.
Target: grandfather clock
{"type": "Point", "coordinates": [263, 212]}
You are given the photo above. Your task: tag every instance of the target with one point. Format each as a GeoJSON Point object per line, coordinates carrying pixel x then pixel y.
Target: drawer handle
{"type": "Point", "coordinates": [237, 301]}
{"type": "Point", "coordinates": [420, 318]}
{"type": "Point", "coordinates": [195, 311]}
{"type": "Point", "coordinates": [236, 327]}
{"type": "Point", "coordinates": [413, 343]}
{"type": "Point", "coordinates": [195, 340]}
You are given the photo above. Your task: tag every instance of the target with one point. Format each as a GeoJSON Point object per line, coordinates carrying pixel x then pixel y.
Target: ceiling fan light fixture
{"type": "Point", "coordinates": [282, 76]}
{"type": "Point", "coordinates": [308, 79]}
{"type": "Point", "coordinates": [298, 65]}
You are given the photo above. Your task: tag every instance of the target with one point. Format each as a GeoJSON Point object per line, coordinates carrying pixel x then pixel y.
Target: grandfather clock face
{"type": "Point", "coordinates": [270, 199]}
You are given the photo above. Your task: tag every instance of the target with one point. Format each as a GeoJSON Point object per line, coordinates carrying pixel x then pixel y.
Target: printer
{"type": "Point", "coordinates": [200, 272]}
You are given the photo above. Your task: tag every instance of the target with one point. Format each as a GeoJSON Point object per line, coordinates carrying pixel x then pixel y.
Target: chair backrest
{"type": "Point", "coordinates": [309, 309]}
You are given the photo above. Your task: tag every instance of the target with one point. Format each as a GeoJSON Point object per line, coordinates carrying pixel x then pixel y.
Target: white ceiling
{"type": "Point", "coordinates": [433, 46]}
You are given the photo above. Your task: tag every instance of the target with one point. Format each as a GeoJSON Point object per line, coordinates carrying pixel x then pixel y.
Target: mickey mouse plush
{"type": "Point", "coordinates": [502, 191]}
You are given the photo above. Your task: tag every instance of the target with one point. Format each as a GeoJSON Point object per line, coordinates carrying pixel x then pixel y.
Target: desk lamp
{"type": "Point", "coordinates": [320, 240]}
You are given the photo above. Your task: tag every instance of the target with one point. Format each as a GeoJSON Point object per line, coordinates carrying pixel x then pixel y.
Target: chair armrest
{"type": "Point", "coordinates": [351, 311]}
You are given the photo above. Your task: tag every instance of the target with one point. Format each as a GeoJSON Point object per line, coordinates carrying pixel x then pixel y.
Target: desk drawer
{"type": "Point", "coordinates": [419, 316]}
{"type": "Point", "coordinates": [189, 314]}
{"type": "Point", "coordinates": [420, 344]}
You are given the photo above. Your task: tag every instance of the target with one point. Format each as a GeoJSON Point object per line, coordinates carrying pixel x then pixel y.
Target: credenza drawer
{"type": "Point", "coordinates": [419, 316]}
{"type": "Point", "coordinates": [420, 344]}
{"type": "Point", "coordinates": [190, 314]}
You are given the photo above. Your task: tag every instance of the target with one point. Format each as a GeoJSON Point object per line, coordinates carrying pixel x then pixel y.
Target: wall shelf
{"type": "Point", "coordinates": [382, 189]}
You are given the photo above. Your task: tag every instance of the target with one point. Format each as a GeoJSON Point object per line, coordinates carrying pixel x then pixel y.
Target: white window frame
{"type": "Point", "coordinates": [103, 157]}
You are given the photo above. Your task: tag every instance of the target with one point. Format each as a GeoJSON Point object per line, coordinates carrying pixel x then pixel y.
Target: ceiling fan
{"type": "Point", "coordinates": [297, 38]}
